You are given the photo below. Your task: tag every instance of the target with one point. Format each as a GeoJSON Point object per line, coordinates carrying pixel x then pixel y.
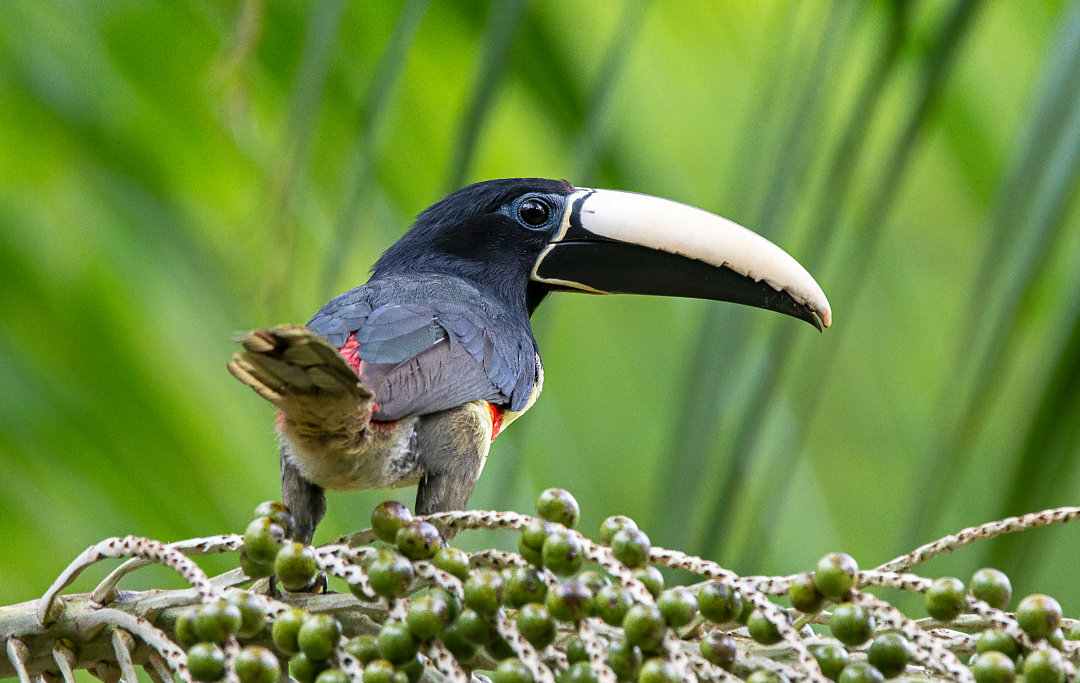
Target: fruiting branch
{"type": "Point", "coordinates": [394, 604]}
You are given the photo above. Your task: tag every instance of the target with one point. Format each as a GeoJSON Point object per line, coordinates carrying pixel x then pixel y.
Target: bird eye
{"type": "Point", "coordinates": [534, 212]}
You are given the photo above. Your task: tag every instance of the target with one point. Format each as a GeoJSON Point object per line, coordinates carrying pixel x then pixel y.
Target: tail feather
{"type": "Point", "coordinates": [290, 360]}
{"type": "Point", "coordinates": [322, 402]}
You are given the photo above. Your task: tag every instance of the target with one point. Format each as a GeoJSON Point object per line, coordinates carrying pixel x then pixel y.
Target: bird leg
{"type": "Point", "coordinates": [453, 446]}
{"type": "Point", "coordinates": [306, 501]}
{"type": "Point", "coordinates": [323, 407]}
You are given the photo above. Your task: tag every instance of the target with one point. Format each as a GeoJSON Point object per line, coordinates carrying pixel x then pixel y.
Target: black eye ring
{"type": "Point", "coordinates": [534, 212]}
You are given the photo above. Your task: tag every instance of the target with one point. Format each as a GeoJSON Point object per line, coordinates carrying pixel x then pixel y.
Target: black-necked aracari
{"type": "Point", "coordinates": [408, 378]}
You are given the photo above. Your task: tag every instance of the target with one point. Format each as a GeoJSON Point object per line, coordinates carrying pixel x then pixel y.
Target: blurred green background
{"type": "Point", "coordinates": [172, 173]}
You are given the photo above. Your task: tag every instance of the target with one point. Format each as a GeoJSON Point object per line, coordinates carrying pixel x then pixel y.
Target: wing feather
{"type": "Point", "coordinates": [432, 345]}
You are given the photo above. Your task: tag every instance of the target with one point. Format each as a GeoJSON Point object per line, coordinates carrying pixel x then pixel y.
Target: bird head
{"type": "Point", "coordinates": [522, 238]}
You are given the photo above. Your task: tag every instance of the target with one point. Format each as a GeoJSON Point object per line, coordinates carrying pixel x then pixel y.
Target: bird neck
{"type": "Point", "coordinates": [534, 294]}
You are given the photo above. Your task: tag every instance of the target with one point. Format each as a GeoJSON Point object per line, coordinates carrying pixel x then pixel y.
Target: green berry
{"type": "Point", "coordinates": [454, 561]}
{"type": "Point", "coordinates": [396, 642]}
{"type": "Point", "coordinates": [1039, 616]}
{"type": "Point", "coordinates": [744, 616]}
{"type": "Point", "coordinates": [719, 603]}
{"type": "Point", "coordinates": [306, 670]}
{"type": "Point", "coordinates": [484, 591]}
{"type": "Point", "coordinates": [511, 670]}
{"type": "Point", "coordinates": [889, 653]}
{"type": "Point", "coordinates": [651, 578]}
{"type": "Point", "coordinates": [994, 639]}
{"type": "Point", "coordinates": [206, 662]}
{"type": "Point", "coordinates": [992, 587]}
{"type": "Point", "coordinates": [851, 624]}
{"type": "Point", "coordinates": [364, 647]}
{"type": "Point", "coordinates": [763, 676]}
{"type": "Point", "coordinates": [295, 566]}
{"type": "Point", "coordinates": [413, 669]}
{"type": "Point", "coordinates": [562, 553]}
{"type": "Point", "coordinates": [831, 657]}
{"type": "Point", "coordinates": [390, 574]}
{"type": "Point", "coordinates": [262, 540]}
{"type": "Point", "coordinates": [531, 555]}
{"type": "Point", "coordinates": [644, 626]}
{"type": "Point", "coordinates": [387, 518]}
{"type": "Point", "coordinates": [631, 547]}
{"type": "Point", "coordinates": [332, 676]}
{"type": "Point", "coordinates": [285, 630]}
{"type": "Point", "coordinates": [185, 628]}
{"type": "Point", "coordinates": [575, 650]}
{"type": "Point", "coordinates": [536, 625]}
{"type": "Point", "coordinates": [860, 672]}
{"type": "Point", "coordinates": [835, 575]}
{"type": "Point", "coordinates": [593, 579]}
{"type": "Point", "coordinates": [216, 621]}
{"type": "Point", "coordinates": [252, 618]}
{"type": "Point", "coordinates": [524, 586]}
{"type": "Point", "coordinates": [428, 615]}
{"type": "Point", "coordinates": [255, 570]}
{"type": "Point", "coordinates": [762, 629]}
{"type": "Point", "coordinates": [578, 672]}
{"type": "Point", "coordinates": [279, 512]}
{"type": "Point", "coordinates": [536, 532]}
{"type": "Point", "coordinates": [256, 664]}
{"type": "Point", "coordinates": [568, 600]}
{"type": "Point", "coordinates": [557, 505]}
{"type": "Point", "coordinates": [658, 670]}
{"type": "Point", "coordinates": [678, 605]}
{"type": "Point", "coordinates": [993, 667]}
{"type": "Point", "coordinates": [624, 659]}
{"type": "Point", "coordinates": [457, 642]}
{"type": "Point", "coordinates": [319, 636]}
{"type": "Point", "coordinates": [612, 525]}
{"type": "Point", "coordinates": [475, 628]}
{"type": "Point", "coordinates": [611, 603]}
{"type": "Point", "coordinates": [804, 594]}
{"type": "Point", "coordinates": [418, 539]}
{"type": "Point", "coordinates": [379, 671]}
{"type": "Point", "coordinates": [945, 598]}
{"type": "Point", "coordinates": [718, 648]}
{"type": "Point", "coordinates": [451, 600]}
{"type": "Point", "coordinates": [1044, 665]}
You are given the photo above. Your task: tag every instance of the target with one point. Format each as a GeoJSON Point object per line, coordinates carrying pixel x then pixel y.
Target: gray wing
{"type": "Point", "coordinates": [435, 379]}
{"type": "Point", "coordinates": [421, 357]}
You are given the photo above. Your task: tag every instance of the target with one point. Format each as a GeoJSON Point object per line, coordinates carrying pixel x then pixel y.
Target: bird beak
{"type": "Point", "coordinates": [621, 242]}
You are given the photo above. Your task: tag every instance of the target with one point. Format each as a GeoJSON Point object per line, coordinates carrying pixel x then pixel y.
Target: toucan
{"type": "Point", "coordinates": [409, 377]}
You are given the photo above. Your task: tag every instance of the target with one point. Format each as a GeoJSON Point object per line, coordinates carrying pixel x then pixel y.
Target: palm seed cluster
{"type": "Point", "coordinates": [568, 609]}
{"type": "Point", "coordinates": [562, 608]}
